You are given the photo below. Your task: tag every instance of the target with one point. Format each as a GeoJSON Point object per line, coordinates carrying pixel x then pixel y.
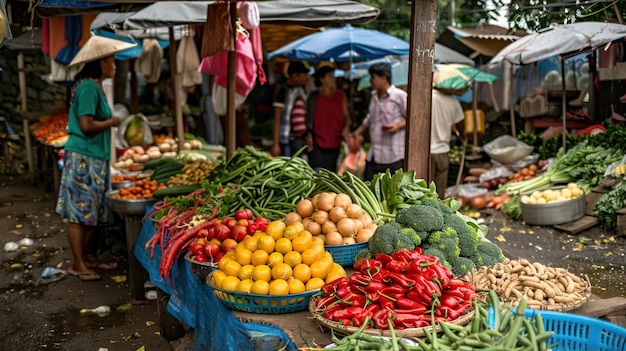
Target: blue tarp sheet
{"type": "Point", "coordinates": [193, 303]}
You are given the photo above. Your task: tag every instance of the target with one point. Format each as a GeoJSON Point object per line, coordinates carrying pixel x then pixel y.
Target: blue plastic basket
{"type": "Point", "coordinates": [263, 304]}
{"type": "Point", "coordinates": [574, 332]}
{"type": "Point", "coordinates": [344, 254]}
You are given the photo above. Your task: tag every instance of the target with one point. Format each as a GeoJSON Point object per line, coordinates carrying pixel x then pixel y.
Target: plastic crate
{"type": "Point", "coordinates": [574, 332]}
{"type": "Point", "coordinates": [344, 254]}
{"type": "Point", "coordinates": [263, 304]}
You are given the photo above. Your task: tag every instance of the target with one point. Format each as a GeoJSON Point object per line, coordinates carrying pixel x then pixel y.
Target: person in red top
{"type": "Point", "coordinates": [329, 121]}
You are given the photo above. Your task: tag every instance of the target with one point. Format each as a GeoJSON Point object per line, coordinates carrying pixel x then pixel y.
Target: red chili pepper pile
{"type": "Point", "coordinates": [406, 287]}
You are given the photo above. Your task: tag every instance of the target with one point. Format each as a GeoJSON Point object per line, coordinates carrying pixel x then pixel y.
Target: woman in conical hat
{"type": "Point", "coordinates": [85, 177]}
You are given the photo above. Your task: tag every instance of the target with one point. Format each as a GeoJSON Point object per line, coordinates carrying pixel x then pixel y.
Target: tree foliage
{"type": "Point", "coordinates": [531, 15]}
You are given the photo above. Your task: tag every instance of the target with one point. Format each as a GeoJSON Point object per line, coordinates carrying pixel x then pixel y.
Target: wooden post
{"type": "Point", "coordinates": [134, 94]}
{"type": "Point", "coordinates": [180, 128]}
{"type": "Point", "coordinates": [512, 101]}
{"type": "Point", "coordinates": [24, 109]}
{"type": "Point", "coordinates": [421, 59]}
{"type": "Point", "coordinates": [230, 135]}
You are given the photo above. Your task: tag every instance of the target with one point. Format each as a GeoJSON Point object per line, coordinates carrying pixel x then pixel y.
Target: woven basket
{"type": "Point", "coordinates": [482, 283]}
{"type": "Point", "coordinates": [338, 328]}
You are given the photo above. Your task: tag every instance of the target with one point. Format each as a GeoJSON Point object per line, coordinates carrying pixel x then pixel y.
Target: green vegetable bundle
{"type": "Point", "coordinates": [584, 164]}
{"type": "Point", "coordinates": [269, 186]}
{"type": "Point", "coordinates": [609, 203]}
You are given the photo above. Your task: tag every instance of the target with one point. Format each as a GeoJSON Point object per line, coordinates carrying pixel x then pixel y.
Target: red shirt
{"type": "Point", "coordinates": [328, 120]}
{"type": "Point", "coordinates": [298, 118]}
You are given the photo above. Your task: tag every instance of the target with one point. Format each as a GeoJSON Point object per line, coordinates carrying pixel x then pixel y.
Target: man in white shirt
{"type": "Point", "coordinates": [446, 112]}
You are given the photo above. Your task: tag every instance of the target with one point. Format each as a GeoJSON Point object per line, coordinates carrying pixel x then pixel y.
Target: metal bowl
{"type": "Point", "coordinates": [129, 207]}
{"type": "Point", "coordinates": [122, 184]}
{"type": "Point", "coordinates": [555, 212]}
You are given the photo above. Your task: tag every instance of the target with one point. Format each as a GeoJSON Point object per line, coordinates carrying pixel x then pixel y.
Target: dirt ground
{"type": "Point", "coordinates": [45, 314]}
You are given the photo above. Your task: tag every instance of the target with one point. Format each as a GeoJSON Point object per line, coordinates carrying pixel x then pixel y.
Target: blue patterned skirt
{"type": "Point", "coordinates": [82, 195]}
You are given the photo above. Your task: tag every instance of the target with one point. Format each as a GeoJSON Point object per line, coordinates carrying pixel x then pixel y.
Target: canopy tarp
{"type": "Point", "coordinates": [309, 13]}
{"type": "Point", "coordinates": [30, 40]}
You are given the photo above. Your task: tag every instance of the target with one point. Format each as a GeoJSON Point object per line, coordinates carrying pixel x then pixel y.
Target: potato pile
{"type": "Point", "coordinates": [334, 218]}
{"type": "Point", "coordinates": [572, 191]}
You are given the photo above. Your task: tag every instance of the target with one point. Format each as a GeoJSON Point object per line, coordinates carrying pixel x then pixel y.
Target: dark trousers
{"type": "Point", "coordinates": [372, 168]}
{"type": "Point", "coordinates": [323, 158]}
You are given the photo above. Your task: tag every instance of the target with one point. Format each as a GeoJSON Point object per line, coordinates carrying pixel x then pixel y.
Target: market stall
{"type": "Point", "coordinates": [217, 247]}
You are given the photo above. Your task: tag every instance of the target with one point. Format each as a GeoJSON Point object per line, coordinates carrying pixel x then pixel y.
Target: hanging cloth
{"type": "Point", "coordinates": [149, 62]}
{"type": "Point", "coordinates": [188, 60]}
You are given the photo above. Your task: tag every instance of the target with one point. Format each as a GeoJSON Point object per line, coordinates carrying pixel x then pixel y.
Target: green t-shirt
{"type": "Point", "coordinates": [89, 101]}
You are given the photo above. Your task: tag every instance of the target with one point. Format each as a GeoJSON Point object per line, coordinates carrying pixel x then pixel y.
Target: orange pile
{"type": "Point", "coordinates": [143, 189]}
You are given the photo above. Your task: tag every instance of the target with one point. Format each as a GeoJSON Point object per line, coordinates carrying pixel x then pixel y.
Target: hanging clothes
{"type": "Point", "coordinates": [149, 62]}
{"type": "Point", "coordinates": [188, 60]}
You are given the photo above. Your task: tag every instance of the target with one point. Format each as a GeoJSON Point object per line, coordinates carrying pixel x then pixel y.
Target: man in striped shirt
{"type": "Point", "coordinates": [290, 111]}
{"type": "Point", "coordinates": [385, 121]}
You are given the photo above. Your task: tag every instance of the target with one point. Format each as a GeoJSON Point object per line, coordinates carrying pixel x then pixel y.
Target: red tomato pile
{"type": "Point", "coordinates": [223, 235]}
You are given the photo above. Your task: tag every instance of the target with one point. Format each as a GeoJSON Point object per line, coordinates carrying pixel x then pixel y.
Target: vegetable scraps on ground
{"type": "Point", "coordinates": [403, 288]}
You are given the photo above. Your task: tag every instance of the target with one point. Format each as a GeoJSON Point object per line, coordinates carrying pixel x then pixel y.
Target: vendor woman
{"type": "Point", "coordinates": [85, 178]}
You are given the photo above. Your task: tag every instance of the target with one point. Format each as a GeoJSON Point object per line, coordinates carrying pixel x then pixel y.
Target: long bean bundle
{"type": "Point", "coordinates": [269, 186]}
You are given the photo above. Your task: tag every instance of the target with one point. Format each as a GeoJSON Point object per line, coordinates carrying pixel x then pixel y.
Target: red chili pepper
{"type": "Point", "coordinates": [404, 255]}
{"type": "Point", "coordinates": [408, 304]}
{"type": "Point", "coordinates": [396, 266]}
{"type": "Point", "coordinates": [368, 266]}
{"type": "Point", "coordinates": [417, 267]}
{"type": "Point", "coordinates": [380, 276]}
{"type": "Point", "coordinates": [449, 313]}
{"type": "Point", "coordinates": [361, 316]}
{"type": "Point", "coordinates": [386, 303]}
{"type": "Point", "coordinates": [393, 290]}
{"type": "Point", "coordinates": [374, 307]}
{"type": "Point", "coordinates": [343, 291]}
{"type": "Point", "coordinates": [353, 299]}
{"type": "Point", "coordinates": [400, 279]}
{"type": "Point", "coordinates": [330, 311]}
{"type": "Point", "coordinates": [324, 302]}
{"type": "Point", "coordinates": [380, 318]}
{"type": "Point", "coordinates": [383, 258]}
{"type": "Point", "coordinates": [331, 287]}
{"type": "Point", "coordinates": [407, 320]}
{"type": "Point", "coordinates": [449, 301]}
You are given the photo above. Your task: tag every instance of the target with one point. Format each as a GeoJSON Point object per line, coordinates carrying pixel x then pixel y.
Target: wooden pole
{"type": "Point", "coordinates": [511, 100]}
{"type": "Point", "coordinates": [180, 128]}
{"type": "Point", "coordinates": [230, 135]}
{"type": "Point", "coordinates": [25, 122]}
{"type": "Point", "coordinates": [134, 93]}
{"type": "Point", "coordinates": [421, 58]}
{"type": "Point", "coordinates": [475, 112]}
{"type": "Point", "coordinates": [563, 102]}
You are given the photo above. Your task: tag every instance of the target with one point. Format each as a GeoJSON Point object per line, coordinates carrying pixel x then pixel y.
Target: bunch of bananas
{"type": "Point", "coordinates": [620, 170]}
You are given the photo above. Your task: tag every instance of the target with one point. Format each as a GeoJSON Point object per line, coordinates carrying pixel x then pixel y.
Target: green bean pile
{"type": "Point", "coordinates": [269, 186]}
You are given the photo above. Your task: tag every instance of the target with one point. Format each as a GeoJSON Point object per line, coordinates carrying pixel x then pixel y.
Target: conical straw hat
{"type": "Point", "coordinates": [98, 47]}
{"type": "Point", "coordinates": [3, 26]}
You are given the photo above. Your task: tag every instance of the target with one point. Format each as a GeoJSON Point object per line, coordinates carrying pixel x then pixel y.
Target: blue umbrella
{"type": "Point", "coordinates": [343, 44]}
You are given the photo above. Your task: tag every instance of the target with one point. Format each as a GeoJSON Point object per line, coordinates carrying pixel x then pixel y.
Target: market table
{"type": "Point", "coordinates": [192, 302]}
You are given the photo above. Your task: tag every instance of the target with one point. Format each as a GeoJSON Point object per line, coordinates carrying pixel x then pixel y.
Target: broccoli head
{"type": "Point", "coordinates": [477, 258]}
{"type": "Point", "coordinates": [449, 247]}
{"type": "Point", "coordinates": [388, 239]}
{"type": "Point", "coordinates": [435, 236]}
{"type": "Point", "coordinates": [490, 253]}
{"type": "Point", "coordinates": [420, 218]}
{"type": "Point", "coordinates": [490, 260]}
{"type": "Point", "coordinates": [365, 253]}
{"type": "Point", "coordinates": [462, 265]}
{"type": "Point", "coordinates": [412, 234]}
{"type": "Point", "coordinates": [436, 203]}
{"type": "Point", "coordinates": [433, 251]}
{"type": "Point", "coordinates": [468, 236]}
{"type": "Point", "coordinates": [489, 248]}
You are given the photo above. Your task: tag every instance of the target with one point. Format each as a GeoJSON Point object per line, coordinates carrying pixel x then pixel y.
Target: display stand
{"type": "Point", "coordinates": [132, 225]}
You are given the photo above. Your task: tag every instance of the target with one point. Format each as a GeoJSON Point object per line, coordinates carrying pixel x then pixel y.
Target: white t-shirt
{"type": "Point", "coordinates": [446, 112]}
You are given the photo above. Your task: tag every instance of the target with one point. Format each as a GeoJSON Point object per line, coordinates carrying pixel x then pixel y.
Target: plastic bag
{"type": "Point", "coordinates": [494, 172]}
{"type": "Point", "coordinates": [120, 135]}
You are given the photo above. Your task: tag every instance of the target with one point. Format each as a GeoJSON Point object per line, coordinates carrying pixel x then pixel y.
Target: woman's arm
{"type": "Point", "coordinates": [90, 126]}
